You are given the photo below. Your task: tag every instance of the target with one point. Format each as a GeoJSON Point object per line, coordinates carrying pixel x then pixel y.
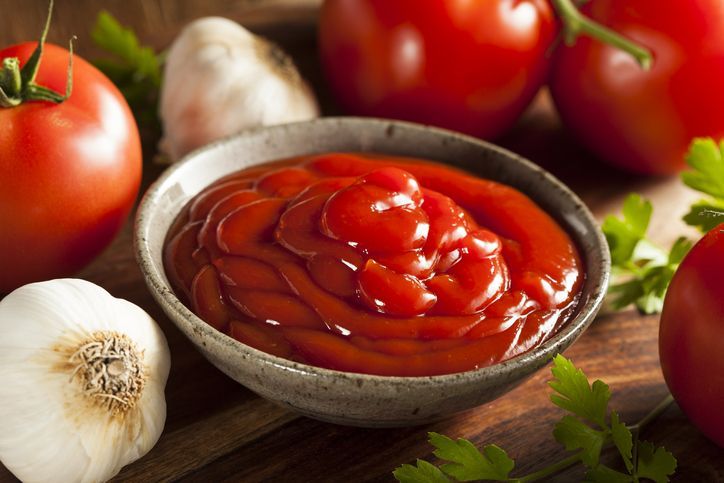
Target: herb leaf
{"type": "Point", "coordinates": [626, 293]}
{"type": "Point", "coordinates": [130, 55]}
{"type": "Point", "coordinates": [423, 472]}
{"type": "Point", "coordinates": [576, 395]}
{"type": "Point", "coordinates": [654, 282]}
{"type": "Point", "coordinates": [623, 234]}
{"type": "Point", "coordinates": [655, 464]}
{"type": "Point", "coordinates": [642, 271]}
{"type": "Point", "coordinates": [135, 69]}
{"type": "Point", "coordinates": [707, 162]}
{"type": "Point", "coordinates": [585, 402]}
{"type": "Point", "coordinates": [679, 250]}
{"type": "Point", "coordinates": [622, 439]}
{"type": "Point", "coordinates": [574, 434]}
{"type": "Point", "coordinates": [705, 214]}
{"type": "Point", "coordinates": [467, 463]}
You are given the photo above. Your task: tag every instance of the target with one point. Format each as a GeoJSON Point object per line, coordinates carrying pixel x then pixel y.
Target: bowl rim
{"type": "Point", "coordinates": [536, 357]}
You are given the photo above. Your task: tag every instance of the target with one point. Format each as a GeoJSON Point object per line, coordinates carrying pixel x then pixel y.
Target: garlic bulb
{"type": "Point", "coordinates": [82, 377]}
{"type": "Point", "coordinates": [219, 79]}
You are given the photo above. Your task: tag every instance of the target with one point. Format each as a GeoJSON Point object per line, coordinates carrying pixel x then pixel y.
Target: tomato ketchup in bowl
{"type": "Point", "coordinates": [371, 272]}
{"type": "Point", "coordinates": [374, 264]}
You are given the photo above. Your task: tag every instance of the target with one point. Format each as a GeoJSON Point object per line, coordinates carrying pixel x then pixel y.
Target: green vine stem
{"type": "Point", "coordinates": [18, 85]}
{"type": "Point", "coordinates": [575, 24]}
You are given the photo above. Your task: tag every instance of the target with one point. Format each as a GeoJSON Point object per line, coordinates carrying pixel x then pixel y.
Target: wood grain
{"type": "Point", "coordinates": [219, 431]}
{"type": "Point", "coordinates": [154, 21]}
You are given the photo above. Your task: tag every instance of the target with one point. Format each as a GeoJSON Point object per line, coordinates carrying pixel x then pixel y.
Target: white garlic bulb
{"type": "Point", "coordinates": [82, 377]}
{"type": "Point", "coordinates": [219, 79]}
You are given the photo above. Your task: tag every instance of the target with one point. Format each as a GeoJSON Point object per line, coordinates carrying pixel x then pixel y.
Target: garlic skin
{"type": "Point", "coordinates": [219, 79]}
{"type": "Point", "coordinates": [82, 377]}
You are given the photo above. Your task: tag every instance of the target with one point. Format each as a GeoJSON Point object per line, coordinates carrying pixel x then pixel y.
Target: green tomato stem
{"type": "Point", "coordinates": [30, 69]}
{"type": "Point", "coordinates": [6, 101]}
{"type": "Point", "coordinates": [69, 75]}
{"type": "Point", "coordinates": [575, 24]}
{"type": "Point", "coordinates": [18, 85]}
{"type": "Point", "coordinates": [11, 81]}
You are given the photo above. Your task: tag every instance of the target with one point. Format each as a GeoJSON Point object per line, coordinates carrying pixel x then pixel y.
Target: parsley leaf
{"type": "Point", "coordinates": [468, 463]}
{"type": "Point", "coordinates": [705, 214]}
{"type": "Point", "coordinates": [655, 464]}
{"type": "Point", "coordinates": [622, 439]}
{"type": "Point", "coordinates": [423, 472]}
{"type": "Point", "coordinates": [642, 271]}
{"type": "Point", "coordinates": [624, 234]}
{"type": "Point", "coordinates": [679, 250]}
{"type": "Point", "coordinates": [585, 402]}
{"type": "Point", "coordinates": [627, 293]}
{"type": "Point", "coordinates": [111, 36]}
{"type": "Point", "coordinates": [707, 162]}
{"type": "Point", "coordinates": [574, 434]}
{"type": "Point", "coordinates": [134, 68]}
{"type": "Point", "coordinates": [576, 395]}
{"type": "Point", "coordinates": [653, 282]}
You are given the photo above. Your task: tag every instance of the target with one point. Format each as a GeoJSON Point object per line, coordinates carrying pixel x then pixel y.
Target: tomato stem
{"type": "Point", "coordinates": [575, 24]}
{"type": "Point", "coordinates": [30, 69]}
{"type": "Point", "coordinates": [11, 76]}
{"type": "Point", "coordinates": [18, 85]}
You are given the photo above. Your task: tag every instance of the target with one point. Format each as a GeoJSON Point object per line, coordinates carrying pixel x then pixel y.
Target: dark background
{"type": "Point", "coordinates": [155, 21]}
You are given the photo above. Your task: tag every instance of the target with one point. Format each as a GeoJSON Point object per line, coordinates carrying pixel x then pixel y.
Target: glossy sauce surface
{"type": "Point", "coordinates": [374, 264]}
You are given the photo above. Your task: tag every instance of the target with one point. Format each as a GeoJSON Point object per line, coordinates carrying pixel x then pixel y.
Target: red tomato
{"type": "Point", "coordinates": [472, 66]}
{"type": "Point", "coordinates": [691, 337]}
{"type": "Point", "coordinates": [69, 173]}
{"type": "Point", "coordinates": [637, 120]}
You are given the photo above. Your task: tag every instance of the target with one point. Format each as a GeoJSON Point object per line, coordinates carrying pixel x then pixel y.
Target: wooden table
{"type": "Point", "coordinates": [219, 431]}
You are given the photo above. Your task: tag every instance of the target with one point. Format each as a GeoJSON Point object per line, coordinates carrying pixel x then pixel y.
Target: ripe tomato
{"type": "Point", "coordinates": [644, 121]}
{"type": "Point", "coordinates": [69, 173]}
{"type": "Point", "coordinates": [472, 66]}
{"type": "Point", "coordinates": [691, 336]}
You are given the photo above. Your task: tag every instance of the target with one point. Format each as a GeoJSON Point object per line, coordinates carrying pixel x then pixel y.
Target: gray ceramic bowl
{"type": "Point", "coordinates": [347, 398]}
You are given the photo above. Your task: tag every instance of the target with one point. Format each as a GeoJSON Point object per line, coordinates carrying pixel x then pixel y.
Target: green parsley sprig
{"type": "Point", "coordinates": [706, 175]}
{"type": "Point", "coordinates": [587, 430]}
{"type": "Point", "coordinates": [641, 270]}
{"type": "Point", "coordinates": [134, 68]}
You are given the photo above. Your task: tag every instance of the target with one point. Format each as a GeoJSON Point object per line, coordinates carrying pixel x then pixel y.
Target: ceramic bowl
{"type": "Point", "coordinates": [348, 398]}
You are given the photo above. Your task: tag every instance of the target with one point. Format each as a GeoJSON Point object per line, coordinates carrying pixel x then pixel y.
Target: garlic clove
{"type": "Point", "coordinates": [82, 376]}
{"type": "Point", "coordinates": [219, 79]}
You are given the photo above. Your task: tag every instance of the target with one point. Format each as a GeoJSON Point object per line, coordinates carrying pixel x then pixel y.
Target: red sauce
{"type": "Point", "coordinates": [373, 264]}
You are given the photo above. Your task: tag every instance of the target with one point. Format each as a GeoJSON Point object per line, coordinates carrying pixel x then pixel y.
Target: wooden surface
{"type": "Point", "coordinates": [217, 430]}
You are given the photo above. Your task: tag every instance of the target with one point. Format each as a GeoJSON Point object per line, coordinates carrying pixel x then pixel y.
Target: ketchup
{"type": "Point", "coordinates": [374, 264]}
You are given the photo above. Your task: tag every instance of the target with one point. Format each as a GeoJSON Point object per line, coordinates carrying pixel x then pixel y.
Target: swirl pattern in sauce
{"type": "Point", "coordinates": [380, 265]}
